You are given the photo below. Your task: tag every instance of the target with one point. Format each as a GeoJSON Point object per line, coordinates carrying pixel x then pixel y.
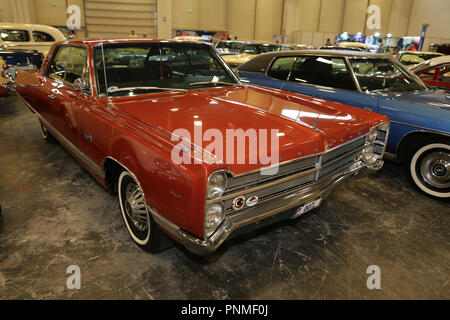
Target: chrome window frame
{"type": "Point", "coordinates": [87, 67]}
{"type": "Point", "coordinates": [210, 48]}
{"type": "Point", "coordinates": [350, 69]}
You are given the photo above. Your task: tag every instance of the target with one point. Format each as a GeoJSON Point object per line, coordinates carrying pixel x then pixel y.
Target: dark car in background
{"type": "Point", "coordinates": [420, 118]}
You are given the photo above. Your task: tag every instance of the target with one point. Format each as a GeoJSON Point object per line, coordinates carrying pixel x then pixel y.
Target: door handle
{"type": "Point", "coordinates": [87, 136]}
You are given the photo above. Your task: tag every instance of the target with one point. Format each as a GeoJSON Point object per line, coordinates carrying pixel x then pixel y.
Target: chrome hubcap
{"type": "Point", "coordinates": [135, 207]}
{"type": "Point", "coordinates": [435, 169]}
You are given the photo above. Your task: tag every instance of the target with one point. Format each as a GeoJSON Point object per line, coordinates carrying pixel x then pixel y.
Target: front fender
{"type": "Point", "coordinates": [177, 192]}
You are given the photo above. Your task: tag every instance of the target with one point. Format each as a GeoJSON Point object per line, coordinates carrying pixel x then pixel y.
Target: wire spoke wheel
{"type": "Point", "coordinates": [137, 216]}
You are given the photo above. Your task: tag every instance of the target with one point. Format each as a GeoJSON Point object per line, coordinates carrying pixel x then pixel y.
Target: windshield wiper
{"type": "Point", "coordinates": [115, 89]}
{"type": "Point", "coordinates": [215, 82]}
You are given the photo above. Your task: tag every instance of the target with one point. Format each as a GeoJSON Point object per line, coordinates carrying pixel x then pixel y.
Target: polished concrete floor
{"type": "Point", "coordinates": [55, 215]}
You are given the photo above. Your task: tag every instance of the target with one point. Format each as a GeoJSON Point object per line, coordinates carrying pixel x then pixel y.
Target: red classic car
{"type": "Point", "coordinates": [131, 112]}
{"type": "Point", "coordinates": [435, 72]}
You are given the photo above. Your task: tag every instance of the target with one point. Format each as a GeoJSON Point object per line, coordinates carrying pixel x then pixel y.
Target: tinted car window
{"type": "Point", "coordinates": [281, 67]}
{"type": "Point", "coordinates": [15, 35]}
{"type": "Point", "coordinates": [57, 69]}
{"type": "Point", "coordinates": [76, 65]}
{"type": "Point", "coordinates": [39, 36]}
{"type": "Point", "coordinates": [322, 71]}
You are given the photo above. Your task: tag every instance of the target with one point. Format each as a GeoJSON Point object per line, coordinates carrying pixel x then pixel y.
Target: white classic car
{"type": "Point", "coordinates": [29, 36]}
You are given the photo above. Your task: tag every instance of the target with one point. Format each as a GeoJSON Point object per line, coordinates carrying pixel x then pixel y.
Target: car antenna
{"type": "Point", "coordinates": [104, 70]}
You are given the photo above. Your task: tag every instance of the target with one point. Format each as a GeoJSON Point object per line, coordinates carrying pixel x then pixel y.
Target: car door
{"type": "Point", "coordinates": [51, 87]}
{"type": "Point", "coordinates": [328, 78]}
{"type": "Point", "coordinates": [94, 123]}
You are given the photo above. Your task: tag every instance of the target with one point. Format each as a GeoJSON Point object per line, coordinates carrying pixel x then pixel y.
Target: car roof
{"type": "Point", "coordinates": [439, 60]}
{"type": "Point", "coordinates": [419, 52]}
{"type": "Point", "coordinates": [94, 42]}
{"type": "Point", "coordinates": [270, 43]}
{"type": "Point", "coordinates": [261, 61]}
{"type": "Point", "coordinates": [430, 63]}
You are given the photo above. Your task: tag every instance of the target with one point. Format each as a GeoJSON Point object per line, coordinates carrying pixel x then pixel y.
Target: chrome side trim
{"type": "Point", "coordinates": [423, 129]}
{"type": "Point", "coordinates": [63, 140]}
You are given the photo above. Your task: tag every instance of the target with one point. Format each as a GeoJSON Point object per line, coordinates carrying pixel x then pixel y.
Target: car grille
{"type": "Point", "coordinates": [291, 175]}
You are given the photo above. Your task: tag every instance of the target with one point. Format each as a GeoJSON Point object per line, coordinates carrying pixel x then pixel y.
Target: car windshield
{"type": "Point", "coordinates": [260, 48]}
{"type": "Point", "coordinates": [383, 75]}
{"type": "Point", "coordinates": [138, 68]}
{"type": "Point", "coordinates": [410, 59]}
{"type": "Point", "coordinates": [234, 46]}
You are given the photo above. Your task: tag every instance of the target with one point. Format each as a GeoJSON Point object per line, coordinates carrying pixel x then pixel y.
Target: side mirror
{"type": "Point", "coordinates": [81, 85]}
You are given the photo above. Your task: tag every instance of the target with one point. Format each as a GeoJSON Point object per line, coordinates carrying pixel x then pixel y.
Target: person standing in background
{"type": "Point", "coordinates": [328, 44]}
{"type": "Point", "coordinates": [133, 35]}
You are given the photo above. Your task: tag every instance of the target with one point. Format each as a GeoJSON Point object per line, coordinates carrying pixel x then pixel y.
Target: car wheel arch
{"type": "Point", "coordinates": [120, 158]}
{"type": "Point", "coordinates": [409, 143]}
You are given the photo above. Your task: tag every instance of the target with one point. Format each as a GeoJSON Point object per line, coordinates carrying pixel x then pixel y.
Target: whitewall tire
{"type": "Point", "coordinates": [429, 169]}
{"type": "Point", "coordinates": [137, 217]}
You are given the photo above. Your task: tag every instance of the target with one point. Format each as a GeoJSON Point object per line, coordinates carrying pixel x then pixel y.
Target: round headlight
{"type": "Point", "coordinates": [368, 149]}
{"type": "Point", "coordinates": [384, 126]}
{"type": "Point", "coordinates": [367, 154]}
{"type": "Point", "coordinates": [369, 158]}
{"type": "Point", "coordinates": [217, 183]}
{"type": "Point", "coordinates": [372, 136]}
{"type": "Point", "coordinates": [214, 215]}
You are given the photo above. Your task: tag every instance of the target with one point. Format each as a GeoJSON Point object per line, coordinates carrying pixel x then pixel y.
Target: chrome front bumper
{"type": "Point", "coordinates": [283, 202]}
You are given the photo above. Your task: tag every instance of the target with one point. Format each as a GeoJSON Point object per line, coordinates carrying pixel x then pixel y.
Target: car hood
{"type": "Point", "coordinates": [431, 99]}
{"type": "Point", "coordinates": [256, 108]}
{"type": "Point", "coordinates": [238, 58]}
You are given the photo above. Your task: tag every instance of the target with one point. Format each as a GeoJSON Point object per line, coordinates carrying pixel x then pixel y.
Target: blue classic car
{"type": "Point", "coordinates": [420, 118]}
{"type": "Point", "coordinates": [13, 59]}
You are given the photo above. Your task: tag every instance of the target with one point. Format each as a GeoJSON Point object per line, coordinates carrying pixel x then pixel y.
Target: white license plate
{"type": "Point", "coordinates": [308, 206]}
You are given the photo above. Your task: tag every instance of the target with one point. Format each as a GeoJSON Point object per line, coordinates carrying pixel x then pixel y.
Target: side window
{"type": "Point", "coordinates": [76, 65]}
{"type": "Point", "coordinates": [39, 36]}
{"type": "Point", "coordinates": [322, 71]}
{"type": "Point", "coordinates": [281, 67]}
{"type": "Point", "coordinates": [409, 59]}
{"type": "Point", "coordinates": [15, 35]}
{"type": "Point", "coordinates": [57, 69]}
{"type": "Point", "coordinates": [444, 74]}
{"type": "Point", "coordinates": [427, 75]}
